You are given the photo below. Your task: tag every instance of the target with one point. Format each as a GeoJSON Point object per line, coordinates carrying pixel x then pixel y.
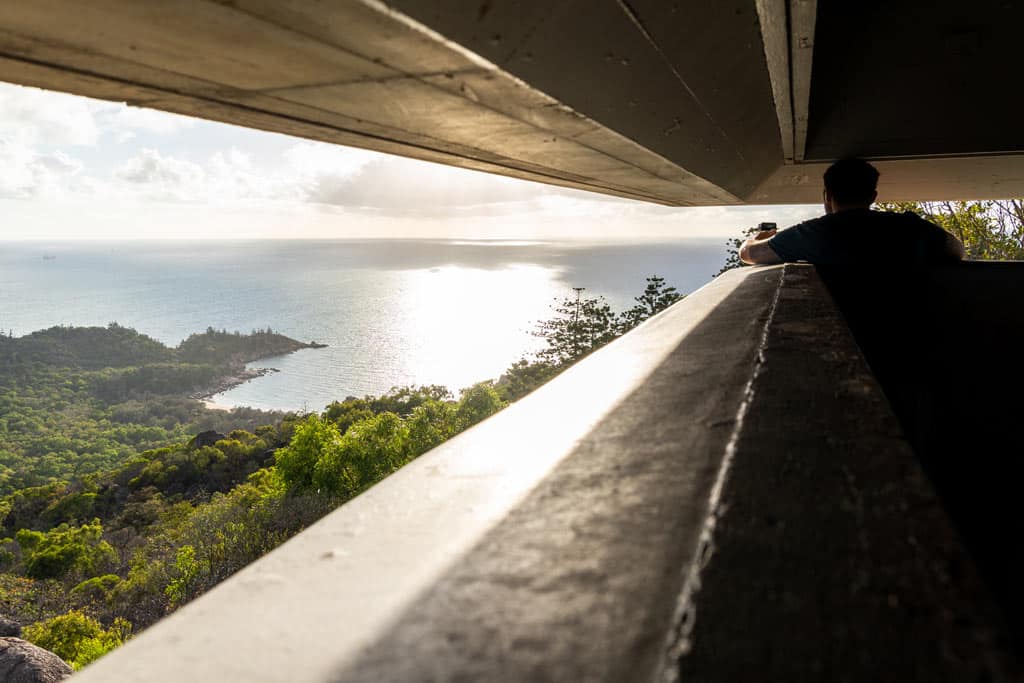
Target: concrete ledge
{"type": "Point", "coordinates": [567, 537]}
{"type": "Point", "coordinates": [832, 558]}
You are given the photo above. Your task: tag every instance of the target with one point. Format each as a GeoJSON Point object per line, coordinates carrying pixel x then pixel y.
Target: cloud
{"type": "Point", "coordinates": [25, 173]}
{"type": "Point", "coordinates": [57, 164]}
{"type": "Point", "coordinates": [30, 116]}
{"type": "Point", "coordinates": [227, 176]}
{"type": "Point", "coordinates": [398, 185]}
{"type": "Point", "coordinates": [315, 159]}
{"type": "Point", "coordinates": [151, 167]}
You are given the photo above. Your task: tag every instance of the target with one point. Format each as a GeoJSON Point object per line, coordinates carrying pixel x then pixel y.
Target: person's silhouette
{"type": "Point", "coordinates": [850, 233]}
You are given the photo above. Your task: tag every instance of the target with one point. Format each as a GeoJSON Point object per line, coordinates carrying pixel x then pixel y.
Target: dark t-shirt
{"type": "Point", "coordinates": [863, 237]}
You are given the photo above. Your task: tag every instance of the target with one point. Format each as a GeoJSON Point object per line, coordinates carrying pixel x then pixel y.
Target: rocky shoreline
{"type": "Point", "coordinates": [242, 374]}
{"type": "Point", "coordinates": [226, 382]}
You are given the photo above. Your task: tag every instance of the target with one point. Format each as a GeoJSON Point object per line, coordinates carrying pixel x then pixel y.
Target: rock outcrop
{"type": "Point", "coordinates": [207, 438]}
{"type": "Point", "coordinates": [9, 628]}
{"type": "Point", "coordinates": [23, 662]}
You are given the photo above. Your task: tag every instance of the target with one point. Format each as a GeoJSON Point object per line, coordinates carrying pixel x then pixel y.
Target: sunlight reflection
{"type": "Point", "coordinates": [460, 321]}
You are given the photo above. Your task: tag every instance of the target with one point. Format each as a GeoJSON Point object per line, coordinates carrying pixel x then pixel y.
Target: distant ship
{"type": "Point", "coordinates": [49, 257]}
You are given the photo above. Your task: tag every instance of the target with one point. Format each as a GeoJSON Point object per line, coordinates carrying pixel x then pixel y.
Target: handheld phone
{"type": "Point", "coordinates": [766, 226]}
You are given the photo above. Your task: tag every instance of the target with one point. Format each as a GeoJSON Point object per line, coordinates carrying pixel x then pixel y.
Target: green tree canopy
{"type": "Point", "coordinates": [370, 450]}
{"type": "Point", "coordinates": [657, 296]}
{"type": "Point", "coordinates": [477, 403]}
{"type": "Point", "coordinates": [580, 326]}
{"type": "Point", "coordinates": [312, 441]}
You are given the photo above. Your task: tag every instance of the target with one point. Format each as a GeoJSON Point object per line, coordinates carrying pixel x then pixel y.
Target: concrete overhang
{"type": "Point", "coordinates": [681, 103]}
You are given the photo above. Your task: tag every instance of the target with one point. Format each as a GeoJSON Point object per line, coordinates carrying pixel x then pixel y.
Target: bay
{"type": "Point", "coordinates": [392, 312]}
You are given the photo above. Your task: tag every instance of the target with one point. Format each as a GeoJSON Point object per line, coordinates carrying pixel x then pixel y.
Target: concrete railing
{"type": "Point", "coordinates": [722, 494]}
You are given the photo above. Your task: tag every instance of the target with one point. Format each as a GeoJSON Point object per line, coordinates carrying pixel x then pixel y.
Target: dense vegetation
{"type": "Point", "coordinates": [123, 497]}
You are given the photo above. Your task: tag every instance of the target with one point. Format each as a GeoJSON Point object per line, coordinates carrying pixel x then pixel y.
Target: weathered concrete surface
{"type": "Point", "coordinates": [944, 344]}
{"type": "Point", "coordinates": [680, 103]}
{"type": "Point", "coordinates": [882, 49]}
{"type": "Point", "coordinates": [578, 582]}
{"type": "Point", "coordinates": [638, 68]}
{"type": "Point", "coordinates": [831, 558]}
{"type": "Point", "coordinates": [723, 492]}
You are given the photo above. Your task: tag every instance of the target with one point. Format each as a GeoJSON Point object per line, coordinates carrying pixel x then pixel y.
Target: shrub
{"type": "Point", "coordinates": [76, 637]}
{"type": "Point", "coordinates": [96, 589]}
{"type": "Point", "coordinates": [52, 554]}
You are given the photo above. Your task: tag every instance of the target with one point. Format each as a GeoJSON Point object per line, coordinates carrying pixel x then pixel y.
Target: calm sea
{"type": "Point", "coordinates": [393, 312]}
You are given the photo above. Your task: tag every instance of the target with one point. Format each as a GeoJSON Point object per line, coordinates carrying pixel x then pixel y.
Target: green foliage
{"type": "Point", "coordinates": [342, 461]}
{"type": "Point", "coordinates": [7, 556]}
{"type": "Point", "coordinates": [5, 509]}
{"type": "Point", "coordinates": [583, 325]}
{"type": "Point", "coordinates": [522, 377]}
{"type": "Point", "coordinates": [65, 549]}
{"type": "Point", "coordinates": [580, 326]}
{"type": "Point", "coordinates": [26, 600]}
{"type": "Point", "coordinates": [97, 589]}
{"type": "Point", "coordinates": [657, 296]}
{"type": "Point", "coordinates": [222, 347]}
{"type": "Point", "coordinates": [77, 638]}
{"type": "Point", "coordinates": [369, 451]}
{"type": "Point", "coordinates": [402, 401]}
{"type": "Point", "coordinates": [85, 347]}
{"type": "Point", "coordinates": [346, 413]}
{"type": "Point", "coordinates": [732, 255]}
{"type": "Point", "coordinates": [74, 507]}
{"type": "Point", "coordinates": [989, 230]}
{"type": "Point", "coordinates": [187, 569]}
{"type": "Point", "coordinates": [478, 402]}
{"type": "Point", "coordinates": [431, 424]}
{"type": "Point", "coordinates": [312, 440]}
{"type": "Point", "coordinates": [157, 379]}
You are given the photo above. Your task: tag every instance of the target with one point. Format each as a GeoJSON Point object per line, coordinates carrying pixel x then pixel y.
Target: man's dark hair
{"type": "Point", "coordinates": [851, 181]}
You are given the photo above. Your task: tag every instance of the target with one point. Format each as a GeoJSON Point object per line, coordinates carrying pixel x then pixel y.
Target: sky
{"type": "Point", "coordinates": [78, 168]}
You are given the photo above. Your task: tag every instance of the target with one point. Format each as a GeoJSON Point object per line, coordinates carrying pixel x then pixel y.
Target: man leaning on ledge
{"type": "Point", "coordinates": [851, 234]}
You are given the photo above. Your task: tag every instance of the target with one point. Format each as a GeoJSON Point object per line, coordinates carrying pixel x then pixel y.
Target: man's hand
{"type": "Point", "coordinates": [756, 250]}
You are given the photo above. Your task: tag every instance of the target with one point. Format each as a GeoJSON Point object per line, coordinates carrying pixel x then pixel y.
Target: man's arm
{"type": "Point", "coordinates": [756, 250]}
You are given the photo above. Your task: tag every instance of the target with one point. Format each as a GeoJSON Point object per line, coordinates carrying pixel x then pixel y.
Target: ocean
{"type": "Point", "coordinates": [392, 312]}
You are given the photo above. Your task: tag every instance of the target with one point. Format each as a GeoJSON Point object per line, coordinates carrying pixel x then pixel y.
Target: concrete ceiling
{"type": "Point", "coordinates": [681, 103]}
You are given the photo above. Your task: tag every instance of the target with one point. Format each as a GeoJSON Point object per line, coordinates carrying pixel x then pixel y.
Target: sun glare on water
{"type": "Point", "coordinates": [464, 325]}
